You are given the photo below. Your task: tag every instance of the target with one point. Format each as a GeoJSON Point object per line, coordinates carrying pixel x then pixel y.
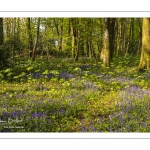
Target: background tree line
{"type": "Point", "coordinates": [98, 38]}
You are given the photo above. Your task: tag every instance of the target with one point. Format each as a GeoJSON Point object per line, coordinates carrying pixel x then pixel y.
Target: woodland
{"type": "Point", "coordinates": [74, 74]}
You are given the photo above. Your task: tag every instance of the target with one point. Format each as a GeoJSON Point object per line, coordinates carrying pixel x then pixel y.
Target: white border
{"type": "Point", "coordinates": [75, 5]}
{"type": "Point", "coordinates": [94, 14]}
{"type": "Point", "coordinates": [75, 144]}
{"type": "Point", "coordinates": [75, 135]}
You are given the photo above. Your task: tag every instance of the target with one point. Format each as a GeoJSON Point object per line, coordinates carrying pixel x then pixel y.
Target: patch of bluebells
{"type": "Point", "coordinates": [133, 106]}
{"type": "Point", "coordinates": [38, 115]}
{"type": "Point", "coordinates": [6, 96]}
{"type": "Point", "coordinates": [35, 75]}
{"type": "Point", "coordinates": [40, 75]}
{"type": "Point", "coordinates": [134, 92]}
{"type": "Point", "coordinates": [109, 78]}
{"type": "Point", "coordinates": [12, 115]}
{"type": "Point", "coordinates": [90, 127]}
{"type": "Point", "coordinates": [66, 75]}
{"type": "Point", "coordinates": [122, 79]}
{"type": "Point", "coordinates": [90, 86]}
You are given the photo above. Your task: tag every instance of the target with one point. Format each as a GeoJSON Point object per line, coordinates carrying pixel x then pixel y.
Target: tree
{"type": "Point", "coordinates": [4, 51]}
{"type": "Point", "coordinates": [75, 33]}
{"type": "Point", "coordinates": [89, 38]}
{"type": "Point", "coordinates": [29, 36]}
{"type": "Point", "coordinates": [79, 37]}
{"type": "Point", "coordinates": [107, 52]}
{"type": "Point", "coordinates": [111, 31]}
{"type": "Point", "coordinates": [145, 50]}
{"type": "Point", "coordinates": [59, 29]}
{"type": "Point", "coordinates": [36, 40]}
{"type": "Point", "coordinates": [1, 32]}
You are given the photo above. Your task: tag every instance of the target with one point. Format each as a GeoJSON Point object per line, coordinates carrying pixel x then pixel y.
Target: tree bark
{"type": "Point", "coordinates": [111, 30]}
{"type": "Point", "coordinates": [59, 29]}
{"type": "Point", "coordinates": [1, 32]}
{"type": "Point", "coordinates": [29, 36]}
{"type": "Point", "coordinates": [145, 50]}
{"type": "Point", "coordinates": [75, 33]}
{"type": "Point", "coordinates": [105, 53]}
{"type": "Point", "coordinates": [36, 41]}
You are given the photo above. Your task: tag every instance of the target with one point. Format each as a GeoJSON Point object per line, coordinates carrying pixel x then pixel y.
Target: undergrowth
{"type": "Point", "coordinates": [61, 95]}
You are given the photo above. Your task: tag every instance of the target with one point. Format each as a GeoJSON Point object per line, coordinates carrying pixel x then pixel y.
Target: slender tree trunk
{"type": "Point", "coordinates": [140, 38]}
{"type": "Point", "coordinates": [75, 33]}
{"type": "Point", "coordinates": [117, 38]}
{"type": "Point", "coordinates": [82, 45]}
{"type": "Point", "coordinates": [60, 36]}
{"type": "Point", "coordinates": [13, 37]}
{"type": "Point", "coordinates": [87, 48]}
{"type": "Point", "coordinates": [1, 32]}
{"type": "Point", "coordinates": [29, 36]}
{"type": "Point", "coordinates": [18, 35]}
{"type": "Point", "coordinates": [129, 38]}
{"type": "Point", "coordinates": [36, 41]}
{"type": "Point", "coordinates": [123, 34]}
{"type": "Point", "coordinates": [78, 45]}
{"type": "Point", "coordinates": [145, 52]}
{"type": "Point", "coordinates": [111, 30]}
{"type": "Point", "coordinates": [73, 38]}
{"type": "Point", "coordinates": [59, 29]}
{"type": "Point", "coordinates": [7, 21]}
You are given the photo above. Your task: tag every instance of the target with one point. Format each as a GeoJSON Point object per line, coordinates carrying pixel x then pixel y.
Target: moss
{"type": "Point", "coordinates": [145, 54]}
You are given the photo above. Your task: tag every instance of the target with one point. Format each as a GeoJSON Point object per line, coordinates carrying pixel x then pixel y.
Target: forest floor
{"type": "Point", "coordinates": [61, 95]}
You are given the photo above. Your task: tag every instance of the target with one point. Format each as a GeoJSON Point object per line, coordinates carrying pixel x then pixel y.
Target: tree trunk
{"type": "Point", "coordinates": [111, 30]}
{"type": "Point", "coordinates": [8, 24]}
{"type": "Point", "coordinates": [78, 45]}
{"type": "Point", "coordinates": [73, 39]}
{"type": "Point", "coordinates": [59, 29]}
{"type": "Point", "coordinates": [29, 36]}
{"type": "Point", "coordinates": [75, 33]}
{"type": "Point", "coordinates": [13, 37]}
{"type": "Point", "coordinates": [36, 41]}
{"type": "Point", "coordinates": [1, 31]}
{"type": "Point", "coordinates": [145, 50]}
{"type": "Point", "coordinates": [105, 53]}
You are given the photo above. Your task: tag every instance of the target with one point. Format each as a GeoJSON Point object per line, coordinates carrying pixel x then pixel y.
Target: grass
{"type": "Point", "coordinates": [61, 95]}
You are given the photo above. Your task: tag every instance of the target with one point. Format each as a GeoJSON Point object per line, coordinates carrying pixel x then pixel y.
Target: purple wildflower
{"type": "Point", "coordinates": [66, 75]}
{"type": "Point", "coordinates": [38, 115]}
{"type": "Point", "coordinates": [94, 129]}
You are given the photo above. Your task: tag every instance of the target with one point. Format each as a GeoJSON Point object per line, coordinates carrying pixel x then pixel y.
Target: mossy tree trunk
{"type": "Point", "coordinates": [108, 41]}
{"type": "Point", "coordinates": [105, 53]}
{"type": "Point", "coordinates": [145, 50]}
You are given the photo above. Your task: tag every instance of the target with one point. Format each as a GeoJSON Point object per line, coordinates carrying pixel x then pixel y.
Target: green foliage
{"type": "Point", "coordinates": [4, 56]}
{"type": "Point", "coordinates": [66, 96]}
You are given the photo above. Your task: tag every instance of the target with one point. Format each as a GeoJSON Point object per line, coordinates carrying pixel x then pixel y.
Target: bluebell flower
{"type": "Point", "coordinates": [35, 114]}
{"type": "Point", "coordinates": [38, 115]}
{"type": "Point", "coordinates": [66, 75]}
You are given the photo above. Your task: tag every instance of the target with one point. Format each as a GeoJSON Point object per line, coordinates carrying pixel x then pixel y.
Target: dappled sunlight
{"type": "Point", "coordinates": [74, 99]}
